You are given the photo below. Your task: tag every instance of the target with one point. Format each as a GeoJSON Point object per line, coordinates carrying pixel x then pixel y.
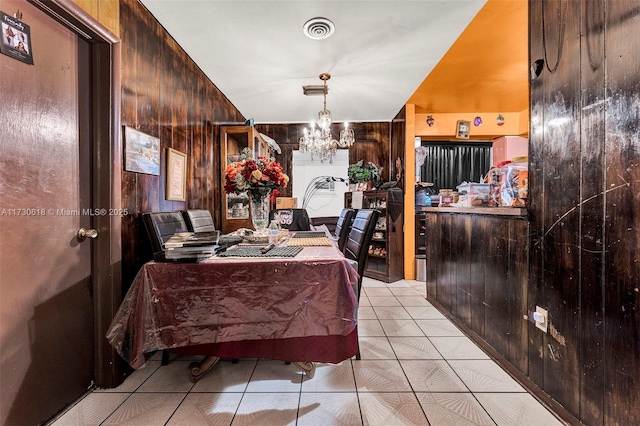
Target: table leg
{"type": "Point", "coordinates": [309, 368]}
{"type": "Point", "coordinates": [198, 369]}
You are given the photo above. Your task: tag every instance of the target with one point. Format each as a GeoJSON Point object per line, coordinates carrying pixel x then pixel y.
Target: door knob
{"type": "Point", "coordinates": [87, 233]}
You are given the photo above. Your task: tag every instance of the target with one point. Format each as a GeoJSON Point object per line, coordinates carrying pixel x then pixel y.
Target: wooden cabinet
{"type": "Point", "coordinates": [233, 139]}
{"type": "Point", "coordinates": [386, 251]}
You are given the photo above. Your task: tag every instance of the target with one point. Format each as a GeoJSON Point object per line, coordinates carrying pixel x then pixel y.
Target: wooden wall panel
{"type": "Point", "coordinates": [480, 232]}
{"type": "Point", "coordinates": [432, 255]}
{"type": "Point", "coordinates": [584, 175]}
{"type": "Point", "coordinates": [496, 297]}
{"type": "Point", "coordinates": [622, 214]}
{"type": "Point", "coordinates": [165, 94]}
{"type": "Point", "coordinates": [461, 267]}
{"type": "Point", "coordinates": [536, 196]}
{"type": "Point", "coordinates": [477, 271]}
{"type": "Point", "coordinates": [561, 225]}
{"type": "Point", "coordinates": [445, 285]}
{"type": "Point", "coordinates": [518, 279]}
{"type": "Point", "coordinates": [592, 137]}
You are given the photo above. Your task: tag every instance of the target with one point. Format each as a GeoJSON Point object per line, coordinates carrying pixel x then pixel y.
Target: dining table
{"type": "Point", "coordinates": [295, 303]}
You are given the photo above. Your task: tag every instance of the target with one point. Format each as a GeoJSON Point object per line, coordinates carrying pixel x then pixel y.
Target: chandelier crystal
{"type": "Point", "coordinates": [318, 140]}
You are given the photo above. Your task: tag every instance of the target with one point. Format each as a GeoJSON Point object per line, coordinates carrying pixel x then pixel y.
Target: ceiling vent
{"type": "Point", "coordinates": [315, 90]}
{"type": "Point", "coordinates": [318, 28]}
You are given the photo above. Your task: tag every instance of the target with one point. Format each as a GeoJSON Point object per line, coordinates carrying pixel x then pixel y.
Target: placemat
{"type": "Point", "coordinates": [309, 242]}
{"type": "Point", "coordinates": [309, 234]}
{"type": "Point", "coordinates": [255, 252]}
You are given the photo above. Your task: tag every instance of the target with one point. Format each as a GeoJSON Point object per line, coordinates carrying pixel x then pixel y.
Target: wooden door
{"type": "Point", "coordinates": [46, 308]}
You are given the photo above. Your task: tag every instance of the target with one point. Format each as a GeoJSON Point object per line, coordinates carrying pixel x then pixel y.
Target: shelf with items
{"type": "Point", "coordinates": [421, 234]}
{"type": "Point", "coordinates": [385, 252]}
{"type": "Point", "coordinates": [233, 140]}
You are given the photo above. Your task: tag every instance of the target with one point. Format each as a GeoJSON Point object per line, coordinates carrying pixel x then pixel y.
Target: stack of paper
{"type": "Point", "coordinates": [191, 245]}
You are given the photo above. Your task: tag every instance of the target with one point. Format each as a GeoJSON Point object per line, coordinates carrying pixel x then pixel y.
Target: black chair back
{"type": "Point", "coordinates": [343, 226]}
{"type": "Point", "coordinates": [160, 227]}
{"type": "Point", "coordinates": [198, 220]}
{"type": "Point", "coordinates": [292, 219]}
{"type": "Point", "coordinates": [357, 244]}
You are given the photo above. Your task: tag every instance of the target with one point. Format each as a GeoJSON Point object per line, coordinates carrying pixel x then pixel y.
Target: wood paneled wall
{"type": "Point", "coordinates": [585, 207]}
{"type": "Point", "coordinates": [164, 94]}
{"type": "Point", "coordinates": [372, 144]}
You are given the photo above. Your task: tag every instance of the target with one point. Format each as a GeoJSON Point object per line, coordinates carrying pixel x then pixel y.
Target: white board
{"type": "Point", "coordinates": [323, 198]}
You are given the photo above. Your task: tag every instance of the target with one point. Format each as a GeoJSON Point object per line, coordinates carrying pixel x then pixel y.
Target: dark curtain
{"type": "Point", "coordinates": [448, 164]}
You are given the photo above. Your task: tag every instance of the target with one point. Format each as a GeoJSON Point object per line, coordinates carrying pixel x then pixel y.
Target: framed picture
{"type": "Point", "coordinates": [462, 129]}
{"type": "Point", "coordinates": [141, 152]}
{"type": "Point", "coordinates": [16, 39]}
{"type": "Point", "coordinates": [176, 175]}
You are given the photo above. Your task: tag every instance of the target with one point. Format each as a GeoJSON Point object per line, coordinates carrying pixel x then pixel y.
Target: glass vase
{"type": "Point", "coordinates": [259, 206]}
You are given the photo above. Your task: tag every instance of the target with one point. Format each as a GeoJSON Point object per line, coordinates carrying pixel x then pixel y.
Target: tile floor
{"type": "Point", "coordinates": [417, 368]}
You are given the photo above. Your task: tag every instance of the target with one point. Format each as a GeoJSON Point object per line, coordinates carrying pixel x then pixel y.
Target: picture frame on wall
{"type": "Point", "coordinates": [176, 185]}
{"type": "Point", "coordinates": [462, 129]}
{"type": "Point", "coordinates": [141, 152]}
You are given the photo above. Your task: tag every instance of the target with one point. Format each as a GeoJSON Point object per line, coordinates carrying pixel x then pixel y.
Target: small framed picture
{"type": "Point", "coordinates": [462, 129]}
{"type": "Point", "coordinates": [141, 152]}
{"type": "Point", "coordinates": [176, 175]}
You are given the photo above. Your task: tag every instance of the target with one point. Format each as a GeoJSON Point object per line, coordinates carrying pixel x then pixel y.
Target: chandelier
{"type": "Point", "coordinates": [318, 140]}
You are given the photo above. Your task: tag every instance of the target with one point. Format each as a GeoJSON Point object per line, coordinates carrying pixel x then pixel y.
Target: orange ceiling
{"type": "Point", "coordinates": [486, 69]}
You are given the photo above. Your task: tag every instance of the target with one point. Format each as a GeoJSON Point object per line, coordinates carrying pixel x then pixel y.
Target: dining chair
{"type": "Point", "coordinates": [343, 226]}
{"type": "Point", "coordinates": [291, 219]}
{"type": "Point", "coordinates": [198, 220]}
{"type": "Point", "coordinates": [357, 245]}
{"type": "Point", "coordinates": [329, 222]}
{"type": "Point", "coordinates": [160, 227]}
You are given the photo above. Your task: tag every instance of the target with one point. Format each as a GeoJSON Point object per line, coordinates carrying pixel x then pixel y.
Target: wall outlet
{"type": "Point", "coordinates": [541, 317]}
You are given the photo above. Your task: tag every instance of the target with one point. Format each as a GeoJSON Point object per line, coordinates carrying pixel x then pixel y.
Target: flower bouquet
{"type": "Point", "coordinates": [261, 177]}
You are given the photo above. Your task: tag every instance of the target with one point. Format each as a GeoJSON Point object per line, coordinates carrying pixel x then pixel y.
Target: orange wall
{"type": "Point", "coordinates": [445, 125]}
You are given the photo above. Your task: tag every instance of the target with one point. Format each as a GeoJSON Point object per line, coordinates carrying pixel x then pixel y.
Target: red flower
{"type": "Point", "coordinates": [259, 176]}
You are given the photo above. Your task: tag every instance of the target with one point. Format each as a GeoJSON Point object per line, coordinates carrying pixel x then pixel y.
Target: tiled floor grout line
{"type": "Point", "coordinates": [176, 409]}
{"type": "Point", "coordinates": [437, 350]}
{"type": "Point", "coordinates": [355, 383]}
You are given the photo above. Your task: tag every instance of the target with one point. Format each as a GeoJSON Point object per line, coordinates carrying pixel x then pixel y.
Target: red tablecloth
{"type": "Point", "coordinates": [294, 309]}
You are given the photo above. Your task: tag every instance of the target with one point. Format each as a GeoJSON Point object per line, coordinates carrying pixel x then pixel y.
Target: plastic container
{"type": "Point", "coordinates": [474, 194]}
{"type": "Point", "coordinates": [274, 232]}
{"type": "Point", "coordinates": [423, 197]}
{"type": "Point", "coordinates": [446, 198]}
{"type": "Point", "coordinates": [514, 184]}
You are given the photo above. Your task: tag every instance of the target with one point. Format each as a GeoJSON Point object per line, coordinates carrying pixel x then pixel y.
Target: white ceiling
{"type": "Point", "coordinates": [256, 53]}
